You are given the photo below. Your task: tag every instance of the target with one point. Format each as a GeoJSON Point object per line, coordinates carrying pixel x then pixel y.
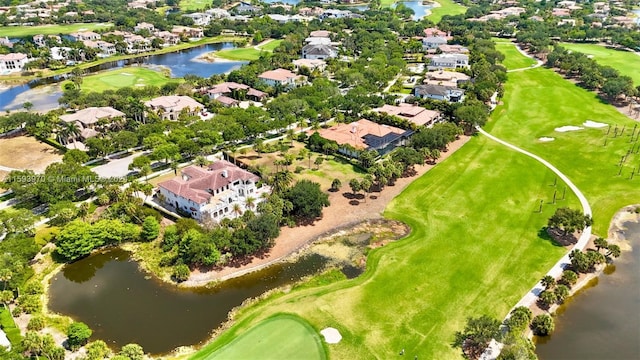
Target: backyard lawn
{"type": "Point", "coordinates": [626, 62]}
{"type": "Point", "coordinates": [513, 58]}
{"type": "Point", "coordinates": [128, 76]}
{"type": "Point", "coordinates": [474, 249]}
{"type": "Point", "coordinates": [22, 31]}
{"type": "Point", "coordinates": [281, 336]}
{"type": "Point", "coordinates": [531, 110]}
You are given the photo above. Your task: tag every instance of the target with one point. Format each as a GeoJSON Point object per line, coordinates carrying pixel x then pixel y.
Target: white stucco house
{"type": "Point", "coordinates": [14, 62]}
{"type": "Point", "coordinates": [221, 190]}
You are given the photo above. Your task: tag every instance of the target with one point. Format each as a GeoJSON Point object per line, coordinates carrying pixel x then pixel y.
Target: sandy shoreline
{"type": "Point", "coordinates": [211, 57]}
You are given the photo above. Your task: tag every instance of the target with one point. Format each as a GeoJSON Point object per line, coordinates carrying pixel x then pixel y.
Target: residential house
{"type": "Point", "coordinates": [430, 32]}
{"type": "Point", "coordinates": [221, 190]}
{"type": "Point", "coordinates": [199, 19]}
{"type": "Point", "coordinates": [320, 34]}
{"type": "Point", "coordinates": [570, 22]}
{"type": "Point", "coordinates": [449, 61]}
{"type": "Point", "coordinates": [227, 101]}
{"type": "Point", "coordinates": [168, 38]}
{"type": "Point", "coordinates": [245, 8]}
{"type": "Point", "coordinates": [11, 63]}
{"type": "Point", "coordinates": [6, 42]}
{"type": "Point", "coordinates": [85, 36]}
{"type": "Point", "coordinates": [432, 42]}
{"type": "Point", "coordinates": [365, 135]}
{"type": "Point", "coordinates": [144, 26]}
{"type": "Point", "coordinates": [137, 44]}
{"type": "Point", "coordinates": [312, 40]}
{"type": "Point", "coordinates": [105, 48]}
{"type": "Point", "coordinates": [336, 14]}
{"type": "Point", "coordinates": [235, 90]}
{"type": "Point", "coordinates": [412, 113]}
{"type": "Point", "coordinates": [561, 12]}
{"type": "Point", "coordinates": [319, 52]}
{"type": "Point", "coordinates": [91, 121]}
{"type": "Point", "coordinates": [170, 107]}
{"type": "Point", "coordinates": [39, 40]}
{"type": "Point", "coordinates": [446, 78]}
{"type": "Point", "coordinates": [310, 64]}
{"type": "Point", "coordinates": [60, 52]}
{"type": "Point", "coordinates": [188, 32]}
{"type": "Point", "coordinates": [439, 92]}
{"type": "Point", "coordinates": [315, 11]}
{"type": "Point", "coordinates": [453, 49]}
{"type": "Point", "coordinates": [218, 13]}
{"type": "Point", "coordinates": [278, 77]}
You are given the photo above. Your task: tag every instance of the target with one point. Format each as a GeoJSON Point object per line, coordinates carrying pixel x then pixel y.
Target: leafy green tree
{"type": "Point", "coordinates": [132, 351]}
{"type": "Point", "coordinates": [194, 248]}
{"type": "Point", "coordinates": [569, 278]}
{"type": "Point", "coordinates": [62, 212]}
{"type": "Point", "coordinates": [336, 184]}
{"type": "Point", "coordinates": [569, 220]}
{"type": "Point", "coordinates": [613, 251]}
{"type": "Point", "coordinates": [150, 229]}
{"type": "Point", "coordinates": [561, 292]}
{"type": "Point", "coordinates": [181, 272]}
{"type": "Point", "coordinates": [75, 156]}
{"type": "Point", "coordinates": [542, 325]}
{"type": "Point", "coordinates": [75, 240]}
{"type": "Point", "coordinates": [355, 186]}
{"type": "Point", "coordinates": [78, 333]}
{"type": "Point", "coordinates": [477, 334]}
{"type": "Point", "coordinates": [97, 350]}
{"type": "Point", "coordinates": [548, 282]}
{"type": "Point", "coordinates": [601, 243]}
{"type": "Point", "coordinates": [307, 200]}
{"type": "Point", "coordinates": [265, 227]}
{"type": "Point", "coordinates": [547, 298]}
{"type": "Point", "coordinates": [17, 221]}
{"type": "Point", "coordinates": [519, 319]}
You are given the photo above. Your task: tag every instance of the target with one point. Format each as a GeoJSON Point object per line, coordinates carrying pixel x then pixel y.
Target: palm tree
{"type": "Point", "coordinates": [237, 209]}
{"type": "Point", "coordinates": [614, 251]}
{"type": "Point", "coordinates": [548, 282]}
{"type": "Point", "coordinates": [250, 202]}
{"type": "Point", "coordinates": [83, 210]}
{"type": "Point", "coordinates": [5, 276]}
{"type": "Point", "coordinates": [600, 243]}
{"type": "Point", "coordinates": [68, 130]}
{"type": "Point", "coordinates": [281, 180]}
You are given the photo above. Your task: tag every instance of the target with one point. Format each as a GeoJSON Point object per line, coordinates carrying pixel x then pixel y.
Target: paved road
{"type": "Point", "coordinates": [556, 271]}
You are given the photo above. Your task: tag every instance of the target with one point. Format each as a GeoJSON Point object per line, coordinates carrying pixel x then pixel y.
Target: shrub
{"type": "Point", "coordinates": [542, 325]}
{"type": "Point", "coordinates": [561, 292]}
{"type": "Point", "coordinates": [167, 260]}
{"type": "Point", "coordinates": [97, 350]}
{"type": "Point", "coordinates": [299, 169]}
{"type": "Point", "coordinates": [36, 323]}
{"type": "Point", "coordinates": [132, 351]}
{"type": "Point", "coordinates": [519, 319]}
{"type": "Point", "coordinates": [78, 334]}
{"type": "Point", "coordinates": [569, 278]}
{"type": "Point", "coordinates": [150, 229]}
{"type": "Point", "coordinates": [181, 273]}
{"type": "Point", "coordinates": [547, 298]}
{"type": "Point", "coordinates": [34, 288]}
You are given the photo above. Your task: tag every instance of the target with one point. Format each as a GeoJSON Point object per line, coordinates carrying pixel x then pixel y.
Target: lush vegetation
{"type": "Point", "coordinates": [513, 58]}
{"type": "Point", "coordinates": [626, 62]}
{"type": "Point", "coordinates": [296, 339]}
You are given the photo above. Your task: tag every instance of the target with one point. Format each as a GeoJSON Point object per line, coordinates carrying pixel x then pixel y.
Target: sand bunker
{"type": "Point", "coordinates": [568, 128]}
{"type": "Point", "coordinates": [331, 335]}
{"type": "Point", "coordinates": [546, 139]}
{"type": "Point", "coordinates": [594, 124]}
{"type": "Point", "coordinates": [126, 74]}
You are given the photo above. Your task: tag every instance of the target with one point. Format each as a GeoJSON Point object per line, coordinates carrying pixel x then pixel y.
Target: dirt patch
{"type": "Point", "coordinates": [25, 152]}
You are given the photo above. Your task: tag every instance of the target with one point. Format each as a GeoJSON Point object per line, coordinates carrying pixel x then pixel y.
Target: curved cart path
{"type": "Point", "coordinates": [556, 271]}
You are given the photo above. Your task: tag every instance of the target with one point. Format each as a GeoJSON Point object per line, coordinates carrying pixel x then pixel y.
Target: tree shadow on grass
{"type": "Point", "coordinates": [556, 236]}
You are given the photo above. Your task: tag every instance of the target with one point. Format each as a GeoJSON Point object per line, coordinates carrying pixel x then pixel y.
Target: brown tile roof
{"type": "Point", "coordinates": [415, 114]}
{"type": "Point", "coordinates": [200, 183]}
{"type": "Point", "coordinates": [92, 115]}
{"type": "Point", "coordinates": [227, 87]}
{"type": "Point", "coordinates": [225, 100]}
{"type": "Point", "coordinates": [354, 133]}
{"type": "Point", "coordinates": [277, 75]}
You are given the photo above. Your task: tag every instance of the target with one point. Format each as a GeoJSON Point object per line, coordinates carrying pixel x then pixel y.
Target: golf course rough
{"type": "Point", "coordinates": [282, 336]}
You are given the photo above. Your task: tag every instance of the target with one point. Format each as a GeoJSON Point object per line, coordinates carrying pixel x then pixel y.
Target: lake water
{"type": "Point", "coordinates": [108, 292]}
{"type": "Point", "coordinates": [420, 10]}
{"type": "Point", "coordinates": [603, 321]}
{"type": "Point", "coordinates": [180, 63]}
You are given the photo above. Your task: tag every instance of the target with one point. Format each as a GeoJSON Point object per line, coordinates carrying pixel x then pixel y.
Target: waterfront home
{"type": "Point", "coordinates": [221, 190]}
{"type": "Point", "coordinates": [136, 43]}
{"type": "Point", "coordinates": [236, 91]}
{"type": "Point", "coordinates": [315, 11]}
{"type": "Point", "coordinates": [319, 52]}
{"type": "Point", "coordinates": [144, 26]}
{"type": "Point", "coordinates": [364, 135]}
{"type": "Point", "coordinates": [245, 8]}
{"type": "Point", "coordinates": [168, 38]}
{"type": "Point", "coordinates": [439, 92]}
{"type": "Point", "coordinates": [412, 113]}
{"type": "Point", "coordinates": [453, 49]}
{"type": "Point", "coordinates": [11, 63]}
{"type": "Point", "coordinates": [172, 106]}
{"type": "Point", "coordinates": [429, 32]}
{"type": "Point", "coordinates": [104, 48]}
{"type": "Point", "coordinates": [192, 33]}
{"type": "Point", "coordinates": [85, 36]}
{"type": "Point", "coordinates": [199, 19]}
{"type": "Point", "coordinates": [279, 77]}
{"type": "Point", "coordinates": [4, 41]}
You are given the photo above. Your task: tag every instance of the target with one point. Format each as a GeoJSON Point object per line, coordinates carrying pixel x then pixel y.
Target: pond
{"type": "Point", "coordinates": [602, 322]}
{"type": "Point", "coordinates": [122, 304]}
{"type": "Point", "coordinates": [180, 63]}
{"type": "Point", "coordinates": [420, 10]}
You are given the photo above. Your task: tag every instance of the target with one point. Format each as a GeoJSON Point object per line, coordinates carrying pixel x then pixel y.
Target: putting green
{"type": "Point", "coordinates": [22, 31]}
{"type": "Point", "coordinates": [128, 76]}
{"type": "Point", "coordinates": [447, 7]}
{"type": "Point", "coordinates": [626, 62]}
{"type": "Point", "coordinates": [282, 336]}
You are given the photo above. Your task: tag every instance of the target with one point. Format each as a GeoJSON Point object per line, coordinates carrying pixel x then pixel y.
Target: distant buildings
{"type": "Point", "coordinates": [446, 78]}
{"type": "Point", "coordinates": [221, 190]}
{"type": "Point", "coordinates": [85, 36]}
{"type": "Point", "coordinates": [170, 107]}
{"type": "Point", "coordinates": [279, 77]}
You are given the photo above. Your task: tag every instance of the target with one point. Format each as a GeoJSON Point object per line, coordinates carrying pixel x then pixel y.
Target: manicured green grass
{"type": "Point", "coordinates": [9, 327]}
{"type": "Point", "coordinates": [536, 102]}
{"type": "Point", "coordinates": [194, 4]}
{"type": "Point", "coordinates": [626, 62]}
{"type": "Point", "coordinates": [282, 336]}
{"type": "Point", "coordinates": [447, 7]}
{"type": "Point", "coordinates": [248, 53]}
{"type": "Point", "coordinates": [22, 31]}
{"type": "Point", "coordinates": [513, 58]}
{"type": "Point", "coordinates": [474, 249]}
{"type": "Point", "coordinates": [128, 76]}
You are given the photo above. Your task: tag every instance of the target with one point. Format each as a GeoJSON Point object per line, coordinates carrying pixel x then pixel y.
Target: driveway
{"type": "Point", "coordinates": [116, 167]}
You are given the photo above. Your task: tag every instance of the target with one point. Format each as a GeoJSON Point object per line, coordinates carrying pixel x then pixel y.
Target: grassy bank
{"type": "Point", "coordinates": [513, 58]}
{"type": "Point", "coordinates": [447, 7]}
{"type": "Point", "coordinates": [248, 53]}
{"type": "Point", "coordinates": [129, 76]}
{"type": "Point", "coordinates": [187, 5]}
{"type": "Point", "coordinates": [473, 250]}
{"type": "Point", "coordinates": [626, 62]}
{"type": "Point", "coordinates": [22, 31]}
{"type": "Point", "coordinates": [532, 110]}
